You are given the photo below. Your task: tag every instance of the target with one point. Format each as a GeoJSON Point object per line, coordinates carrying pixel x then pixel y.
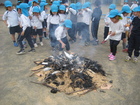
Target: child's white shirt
{"type": "Point", "coordinates": [11, 17]}
{"type": "Point", "coordinates": [63, 17]}
{"type": "Point", "coordinates": [126, 5]}
{"type": "Point", "coordinates": [55, 19]}
{"type": "Point", "coordinates": [25, 22]}
{"type": "Point", "coordinates": [133, 6]}
{"type": "Point", "coordinates": [37, 21]}
{"type": "Point", "coordinates": [107, 20]}
{"type": "Point", "coordinates": [60, 32]}
{"type": "Point", "coordinates": [118, 28]}
{"type": "Point", "coordinates": [79, 16]}
{"type": "Point", "coordinates": [87, 16]}
{"type": "Point", "coordinates": [44, 15]}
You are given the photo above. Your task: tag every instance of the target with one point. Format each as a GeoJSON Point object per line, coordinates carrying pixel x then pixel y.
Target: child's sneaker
{"type": "Point", "coordinates": [127, 59]}
{"type": "Point", "coordinates": [32, 50]}
{"type": "Point", "coordinates": [35, 45]}
{"type": "Point", "coordinates": [135, 59]}
{"type": "Point", "coordinates": [15, 44]}
{"type": "Point", "coordinates": [112, 58]}
{"type": "Point", "coordinates": [110, 55]}
{"type": "Point", "coordinates": [21, 51]}
{"type": "Point", "coordinates": [41, 43]}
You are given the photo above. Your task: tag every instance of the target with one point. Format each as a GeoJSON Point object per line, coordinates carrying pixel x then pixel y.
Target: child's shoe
{"type": "Point", "coordinates": [112, 58]}
{"type": "Point", "coordinates": [135, 59]}
{"type": "Point", "coordinates": [32, 50]}
{"type": "Point", "coordinates": [15, 44]}
{"type": "Point", "coordinates": [110, 55]}
{"type": "Point", "coordinates": [35, 45]}
{"type": "Point", "coordinates": [21, 51]}
{"type": "Point", "coordinates": [41, 43]}
{"type": "Point", "coordinates": [127, 59]}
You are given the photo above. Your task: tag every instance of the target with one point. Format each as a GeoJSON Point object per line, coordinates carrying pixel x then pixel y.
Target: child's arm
{"type": "Point", "coordinates": [73, 11]}
{"type": "Point", "coordinates": [4, 18]}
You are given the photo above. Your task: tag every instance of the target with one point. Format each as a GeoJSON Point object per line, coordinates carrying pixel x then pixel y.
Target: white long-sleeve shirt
{"type": "Point", "coordinates": [37, 21]}
{"type": "Point", "coordinates": [118, 28]}
{"type": "Point", "coordinates": [44, 15]}
{"type": "Point", "coordinates": [133, 6]}
{"type": "Point", "coordinates": [25, 22]}
{"type": "Point", "coordinates": [63, 17]}
{"type": "Point", "coordinates": [107, 20]}
{"type": "Point", "coordinates": [60, 32]}
{"type": "Point", "coordinates": [55, 19]}
{"type": "Point", "coordinates": [11, 17]}
{"type": "Point", "coordinates": [79, 16]}
{"type": "Point", "coordinates": [87, 16]}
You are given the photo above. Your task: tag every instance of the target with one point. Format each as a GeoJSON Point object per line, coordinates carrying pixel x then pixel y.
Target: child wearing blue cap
{"type": "Point", "coordinates": [126, 3]}
{"type": "Point", "coordinates": [61, 35]}
{"type": "Point", "coordinates": [36, 23]}
{"type": "Point", "coordinates": [126, 23]}
{"type": "Point", "coordinates": [34, 3]}
{"type": "Point", "coordinates": [134, 41]}
{"type": "Point", "coordinates": [10, 18]}
{"type": "Point", "coordinates": [26, 29]}
{"type": "Point", "coordinates": [43, 9]}
{"type": "Point", "coordinates": [73, 18]}
{"type": "Point", "coordinates": [62, 13]}
{"type": "Point", "coordinates": [107, 21]}
{"type": "Point", "coordinates": [115, 31]}
{"type": "Point", "coordinates": [96, 15]}
{"type": "Point", "coordinates": [53, 22]}
{"type": "Point", "coordinates": [86, 19]}
{"type": "Point", "coordinates": [135, 4]}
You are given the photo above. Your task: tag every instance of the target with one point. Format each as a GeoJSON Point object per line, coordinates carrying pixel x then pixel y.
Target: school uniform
{"type": "Point", "coordinates": [73, 18]}
{"type": "Point", "coordinates": [96, 15]}
{"type": "Point", "coordinates": [52, 23]}
{"type": "Point", "coordinates": [134, 41]}
{"type": "Point", "coordinates": [86, 22]}
{"type": "Point", "coordinates": [12, 21]}
{"type": "Point", "coordinates": [118, 28]}
{"type": "Point", "coordinates": [44, 16]}
{"type": "Point", "coordinates": [26, 27]}
{"type": "Point", "coordinates": [63, 17]}
{"type": "Point", "coordinates": [60, 34]}
{"type": "Point", "coordinates": [79, 22]}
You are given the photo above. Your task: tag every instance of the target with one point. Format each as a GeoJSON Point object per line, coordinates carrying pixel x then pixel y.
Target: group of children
{"type": "Point", "coordinates": [32, 19]}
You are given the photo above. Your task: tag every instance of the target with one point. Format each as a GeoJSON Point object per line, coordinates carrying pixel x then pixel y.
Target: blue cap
{"type": "Point", "coordinates": [68, 23]}
{"type": "Point", "coordinates": [42, 4]}
{"type": "Point", "coordinates": [23, 5]}
{"type": "Point", "coordinates": [114, 13]}
{"type": "Point", "coordinates": [30, 3]}
{"type": "Point", "coordinates": [62, 7]}
{"type": "Point", "coordinates": [36, 9]}
{"type": "Point", "coordinates": [73, 6]}
{"type": "Point", "coordinates": [54, 8]}
{"type": "Point", "coordinates": [85, 5]}
{"type": "Point", "coordinates": [78, 5]}
{"type": "Point", "coordinates": [8, 4]}
{"type": "Point", "coordinates": [112, 6]}
{"type": "Point", "coordinates": [126, 9]}
{"type": "Point", "coordinates": [57, 3]}
{"type": "Point", "coordinates": [43, 1]}
{"type": "Point", "coordinates": [136, 9]}
{"type": "Point", "coordinates": [126, 1]}
{"type": "Point", "coordinates": [88, 4]}
{"type": "Point", "coordinates": [35, 1]}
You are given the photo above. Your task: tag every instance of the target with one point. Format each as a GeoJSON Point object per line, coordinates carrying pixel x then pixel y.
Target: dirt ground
{"type": "Point", "coordinates": [16, 88]}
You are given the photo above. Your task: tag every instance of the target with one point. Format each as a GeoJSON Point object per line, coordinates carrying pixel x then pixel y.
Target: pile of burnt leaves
{"type": "Point", "coordinates": [71, 74]}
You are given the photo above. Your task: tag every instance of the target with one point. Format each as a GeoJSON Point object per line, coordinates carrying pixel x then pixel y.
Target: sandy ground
{"type": "Point", "coordinates": [16, 89]}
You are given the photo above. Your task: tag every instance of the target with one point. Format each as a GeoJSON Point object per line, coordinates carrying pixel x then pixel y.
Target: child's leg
{"type": "Point", "coordinates": [20, 39]}
{"type": "Point", "coordinates": [106, 30]}
{"type": "Point", "coordinates": [137, 46]}
{"type": "Point", "coordinates": [114, 47]}
{"type": "Point", "coordinates": [40, 33]}
{"type": "Point", "coordinates": [131, 45]}
{"type": "Point", "coordinates": [111, 46]}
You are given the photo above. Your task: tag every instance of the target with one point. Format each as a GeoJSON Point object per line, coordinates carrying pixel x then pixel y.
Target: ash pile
{"type": "Point", "coordinates": [71, 74]}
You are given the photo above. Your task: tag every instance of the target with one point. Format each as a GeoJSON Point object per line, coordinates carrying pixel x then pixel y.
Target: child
{"type": "Point", "coordinates": [96, 15]}
{"type": "Point", "coordinates": [73, 18]}
{"type": "Point", "coordinates": [34, 3]}
{"type": "Point", "coordinates": [86, 13]}
{"type": "Point", "coordinates": [62, 13]}
{"type": "Point", "coordinates": [53, 22]}
{"type": "Point", "coordinates": [61, 36]}
{"type": "Point", "coordinates": [107, 21]}
{"type": "Point", "coordinates": [44, 15]}
{"type": "Point", "coordinates": [126, 3]}
{"type": "Point", "coordinates": [36, 23]}
{"type": "Point", "coordinates": [134, 4]}
{"type": "Point", "coordinates": [10, 18]}
{"type": "Point", "coordinates": [126, 23]}
{"type": "Point", "coordinates": [26, 29]}
{"type": "Point", "coordinates": [134, 41]}
{"type": "Point", "coordinates": [115, 31]}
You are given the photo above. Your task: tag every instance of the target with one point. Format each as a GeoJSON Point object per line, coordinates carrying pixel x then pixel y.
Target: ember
{"type": "Point", "coordinates": [71, 74]}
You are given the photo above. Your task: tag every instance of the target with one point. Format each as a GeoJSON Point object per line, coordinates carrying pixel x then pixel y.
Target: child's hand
{"type": "Point", "coordinates": [35, 27]}
{"type": "Point", "coordinates": [113, 33]}
{"type": "Point", "coordinates": [63, 45]}
{"type": "Point", "coordinates": [30, 17]}
{"type": "Point", "coordinates": [22, 33]}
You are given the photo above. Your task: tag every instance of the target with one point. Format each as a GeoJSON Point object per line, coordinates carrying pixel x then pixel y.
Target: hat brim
{"type": "Point", "coordinates": [8, 6]}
